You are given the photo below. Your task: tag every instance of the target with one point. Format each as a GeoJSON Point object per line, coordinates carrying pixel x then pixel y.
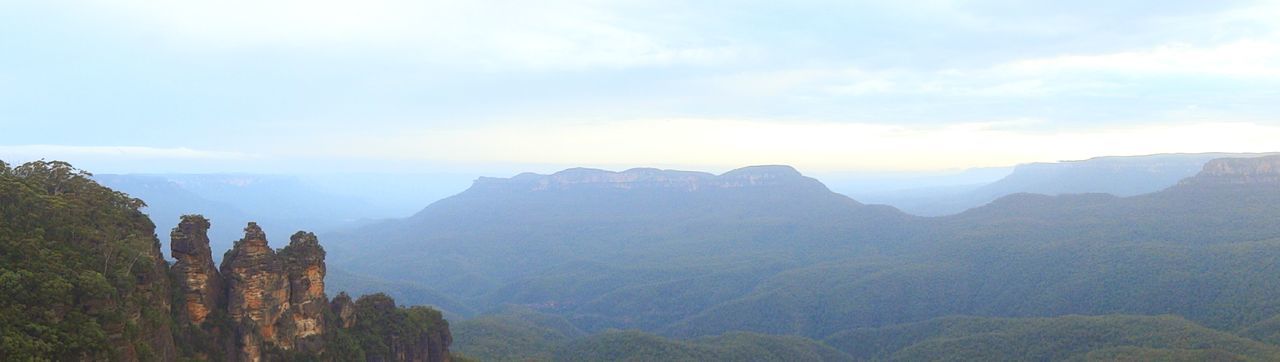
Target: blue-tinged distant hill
{"type": "Point", "coordinates": [768, 250]}
{"type": "Point", "coordinates": [282, 203]}
{"type": "Point", "coordinates": [1115, 175]}
{"type": "Point", "coordinates": [520, 240]}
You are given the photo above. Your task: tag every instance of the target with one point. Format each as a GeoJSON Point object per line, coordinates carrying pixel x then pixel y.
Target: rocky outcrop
{"type": "Point", "coordinates": [257, 294]}
{"type": "Point", "coordinates": [647, 178]}
{"type": "Point", "coordinates": [266, 305]}
{"type": "Point", "coordinates": [1239, 171]}
{"type": "Point", "coordinates": [198, 281]}
{"type": "Point", "coordinates": [153, 289]}
{"type": "Point", "coordinates": [415, 334]}
{"type": "Point", "coordinates": [304, 323]}
{"type": "Point", "coordinates": [344, 309]}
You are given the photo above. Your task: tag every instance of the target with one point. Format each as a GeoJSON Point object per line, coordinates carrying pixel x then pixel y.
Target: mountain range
{"type": "Point", "coordinates": [1127, 257]}
{"type": "Point", "coordinates": [767, 250]}
{"type": "Point", "coordinates": [939, 195]}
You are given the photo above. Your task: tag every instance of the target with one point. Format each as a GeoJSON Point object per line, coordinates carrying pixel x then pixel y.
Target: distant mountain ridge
{"type": "Point", "coordinates": [1116, 175]}
{"type": "Point", "coordinates": [768, 250]}
{"type": "Point", "coordinates": [1238, 171]}
{"type": "Point", "coordinates": [642, 178]}
{"type": "Point", "coordinates": [500, 231]}
{"type": "Point", "coordinates": [282, 203]}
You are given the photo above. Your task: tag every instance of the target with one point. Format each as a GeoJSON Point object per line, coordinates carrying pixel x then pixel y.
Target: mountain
{"type": "Point", "coordinates": [567, 239]}
{"type": "Point", "coordinates": [1192, 250]}
{"type": "Point", "coordinates": [1115, 175]}
{"type": "Point", "coordinates": [767, 250]}
{"type": "Point", "coordinates": [84, 279]}
{"type": "Point", "coordinates": [756, 263]}
{"type": "Point", "coordinates": [170, 200]}
{"type": "Point", "coordinates": [282, 203]}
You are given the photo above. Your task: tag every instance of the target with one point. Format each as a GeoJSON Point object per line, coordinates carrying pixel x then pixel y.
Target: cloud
{"type": "Point", "coordinates": [1148, 71]}
{"type": "Point", "coordinates": [1242, 59]}
{"type": "Point", "coordinates": [822, 146]}
{"type": "Point", "coordinates": [64, 152]}
{"type": "Point", "coordinates": [485, 34]}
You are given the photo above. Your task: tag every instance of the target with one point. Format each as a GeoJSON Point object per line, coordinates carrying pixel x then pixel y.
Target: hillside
{"type": "Point", "coordinates": [568, 238]}
{"type": "Point", "coordinates": [521, 334]}
{"type": "Point", "coordinates": [1202, 250]}
{"type": "Point", "coordinates": [1112, 337]}
{"type": "Point", "coordinates": [80, 269]}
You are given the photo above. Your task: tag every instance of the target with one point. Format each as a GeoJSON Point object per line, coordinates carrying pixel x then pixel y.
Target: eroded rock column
{"type": "Point", "coordinates": [257, 293]}
{"type": "Point", "coordinates": [197, 279]}
{"type": "Point", "coordinates": [304, 265]}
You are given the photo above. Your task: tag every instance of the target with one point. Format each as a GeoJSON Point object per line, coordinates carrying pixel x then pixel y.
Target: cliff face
{"type": "Point", "coordinates": [344, 309]}
{"type": "Point", "coordinates": [257, 293]}
{"type": "Point", "coordinates": [198, 281]}
{"type": "Point", "coordinates": [265, 304]}
{"type": "Point", "coordinates": [1239, 171]}
{"type": "Point", "coordinates": [414, 334]}
{"type": "Point", "coordinates": [153, 287]}
{"type": "Point", "coordinates": [304, 268]}
{"type": "Point", "coordinates": [647, 178]}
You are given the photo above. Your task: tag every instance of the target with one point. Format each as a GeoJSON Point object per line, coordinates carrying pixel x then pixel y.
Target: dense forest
{"type": "Point", "coordinates": [80, 269]}
{"type": "Point", "coordinates": [520, 334]}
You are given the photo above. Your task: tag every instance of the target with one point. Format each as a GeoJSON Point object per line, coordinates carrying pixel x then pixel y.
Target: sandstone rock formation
{"type": "Point", "coordinates": [303, 262]}
{"type": "Point", "coordinates": [344, 309]}
{"type": "Point", "coordinates": [257, 293]}
{"type": "Point", "coordinates": [197, 279]}
{"type": "Point", "coordinates": [1239, 171]}
{"type": "Point", "coordinates": [265, 304]}
{"type": "Point", "coordinates": [406, 343]}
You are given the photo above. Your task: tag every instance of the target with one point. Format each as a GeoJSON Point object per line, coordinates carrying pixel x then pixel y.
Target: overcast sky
{"type": "Point", "coordinates": [507, 86]}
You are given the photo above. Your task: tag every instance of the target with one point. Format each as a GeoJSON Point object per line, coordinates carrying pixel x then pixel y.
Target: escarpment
{"type": "Point", "coordinates": [649, 179]}
{"type": "Point", "coordinates": [1255, 171]}
{"type": "Point", "coordinates": [264, 304]}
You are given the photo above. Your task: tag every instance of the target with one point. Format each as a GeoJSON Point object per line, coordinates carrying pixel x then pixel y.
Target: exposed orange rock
{"type": "Point", "coordinates": [197, 279]}
{"type": "Point", "coordinates": [1239, 171]}
{"type": "Point", "coordinates": [257, 293]}
{"type": "Point", "coordinates": [304, 265]}
{"type": "Point", "coordinates": [269, 304]}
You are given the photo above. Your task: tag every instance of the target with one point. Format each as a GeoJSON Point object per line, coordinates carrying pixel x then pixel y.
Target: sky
{"type": "Point", "coordinates": [500, 87]}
